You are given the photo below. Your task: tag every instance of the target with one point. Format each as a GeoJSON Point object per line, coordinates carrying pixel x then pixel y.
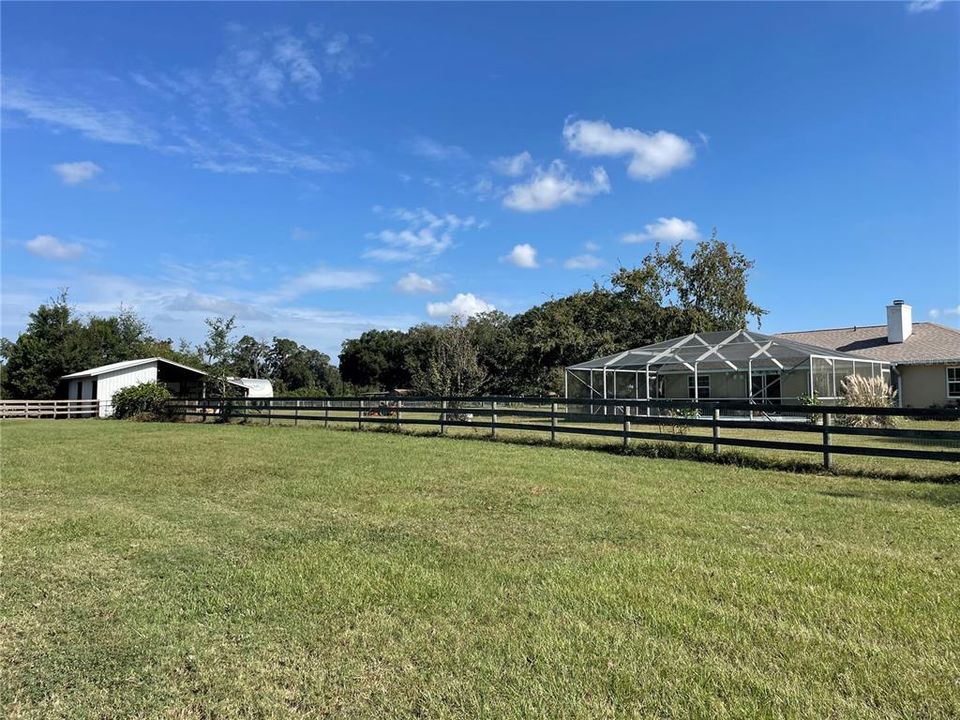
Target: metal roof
{"type": "Point", "coordinates": [731, 350]}
{"type": "Point", "coordinates": [258, 387]}
{"type": "Point", "coordinates": [126, 364]}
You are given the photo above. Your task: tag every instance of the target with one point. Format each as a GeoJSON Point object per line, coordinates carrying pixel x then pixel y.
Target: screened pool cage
{"type": "Point", "coordinates": [739, 366]}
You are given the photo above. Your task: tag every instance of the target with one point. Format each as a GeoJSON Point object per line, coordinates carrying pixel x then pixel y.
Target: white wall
{"type": "Point", "coordinates": [109, 383]}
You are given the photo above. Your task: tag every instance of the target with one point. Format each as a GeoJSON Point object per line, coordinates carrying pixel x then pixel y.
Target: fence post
{"type": "Point", "coordinates": [716, 431]}
{"type": "Point", "coordinates": [269, 411]}
{"type": "Point", "coordinates": [553, 422]}
{"type": "Point", "coordinates": [493, 419]}
{"type": "Point", "coordinates": [826, 441]}
{"type": "Point", "coordinates": [399, 415]}
{"type": "Point", "coordinates": [296, 412]}
{"type": "Point", "coordinates": [326, 413]}
{"type": "Point", "coordinates": [626, 426]}
{"type": "Point", "coordinates": [360, 415]}
{"type": "Point", "coordinates": [443, 417]}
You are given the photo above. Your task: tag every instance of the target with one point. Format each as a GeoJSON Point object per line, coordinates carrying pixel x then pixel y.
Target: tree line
{"type": "Point", "coordinates": [58, 341]}
{"type": "Point", "coordinates": [667, 295]}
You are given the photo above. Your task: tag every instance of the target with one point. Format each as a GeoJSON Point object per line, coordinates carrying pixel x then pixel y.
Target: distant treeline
{"type": "Point", "coordinates": [665, 296]}
{"type": "Point", "coordinates": [57, 341]}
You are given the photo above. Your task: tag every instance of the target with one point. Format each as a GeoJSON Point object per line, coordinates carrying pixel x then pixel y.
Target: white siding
{"type": "Point", "coordinates": [109, 383]}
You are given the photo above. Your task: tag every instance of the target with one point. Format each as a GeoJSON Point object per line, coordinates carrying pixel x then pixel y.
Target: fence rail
{"type": "Point", "coordinates": [49, 408]}
{"type": "Point", "coordinates": [614, 419]}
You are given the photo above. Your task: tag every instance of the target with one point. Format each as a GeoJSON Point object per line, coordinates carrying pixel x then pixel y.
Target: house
{"type": "Point", "coordinates": [925, 356]}
{"type": "Point", "coordinates": [100, 383]}
{"type": "Point", "coordinates": [733, 365]}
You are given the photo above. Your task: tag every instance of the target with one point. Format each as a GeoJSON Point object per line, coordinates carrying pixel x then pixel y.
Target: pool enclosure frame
{"type": "Point", "coordinates": [749, 366]}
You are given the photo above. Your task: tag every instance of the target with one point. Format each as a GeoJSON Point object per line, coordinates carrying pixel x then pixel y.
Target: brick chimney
{"type": "Point", "coordinates": [899, 321]}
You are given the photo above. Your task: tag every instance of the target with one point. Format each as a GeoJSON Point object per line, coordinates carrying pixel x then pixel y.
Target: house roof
{"type": "Point", "coordinates": [929, 343]}
{"type": "Point", "coordinates": [728, 350]}
{"type": "Point", "coordinates": [126, 364]}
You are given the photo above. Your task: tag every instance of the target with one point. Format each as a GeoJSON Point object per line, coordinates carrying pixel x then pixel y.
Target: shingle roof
{"type": "Point", "coordinates": [928, 343]}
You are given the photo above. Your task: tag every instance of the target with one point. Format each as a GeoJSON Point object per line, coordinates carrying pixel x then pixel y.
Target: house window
{"type": "Point", "coordinates": [953, 382]}
{"type": "Point", "coordinates": [703, 387]}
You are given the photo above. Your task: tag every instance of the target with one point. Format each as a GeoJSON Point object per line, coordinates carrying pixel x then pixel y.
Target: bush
{"type": "Point", "coordinates": [813, 401]}
{"type": "Point", "coordinates": [143, 401]}
{"type": "Point", "coordinates": [867, 392]}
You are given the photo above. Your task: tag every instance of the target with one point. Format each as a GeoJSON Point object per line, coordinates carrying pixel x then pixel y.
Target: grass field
{"type": "Point", "coordinates": [186, 570]}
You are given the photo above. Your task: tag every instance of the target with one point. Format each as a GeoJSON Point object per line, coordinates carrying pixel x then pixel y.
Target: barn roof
{"type": "Point", "coordinates": [127, 364]}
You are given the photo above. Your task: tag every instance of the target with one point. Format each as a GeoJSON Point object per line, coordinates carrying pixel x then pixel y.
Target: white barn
{"type": "Point", "coordinates": [100, 383]}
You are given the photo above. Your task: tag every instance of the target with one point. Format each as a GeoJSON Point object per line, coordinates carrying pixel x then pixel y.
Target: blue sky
{"type": "Point", "coordinates": [319, 170]}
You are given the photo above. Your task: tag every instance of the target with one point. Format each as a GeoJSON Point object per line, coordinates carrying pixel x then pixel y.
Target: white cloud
{"type": "Point", "coordinates": [279, 66]}
{"type": "Point", "coordinates": [74, 173]}
{"type": "Point", "coordinates": [919, 6]}
{"type": "Point", "coordinates": [652, 155]}
{"type": "Point", "coordinates": [413, 283]}
{"type": "Point", "coordinates": [317, 280]}
{"type": "Point", "coordinates": [591, 246]}
{"type": "Point", "coordinates": [425, 236]}
{"type": "Point", "coordinates": [670, 230]}
{"type": "Point", "coordinates": [553, 187]}
{"type": "Point", "coordinates": [434, 150]}
{"type": "Point", "coordinates": [513, 165]}
{"type": "Point", "coordinates": [51, 248]}
{"type": "Point", "coordinates": [215, 116]}
{"type": "Point", "coordinates": [463, 305]}
{"type": "Point", "coordinates": [111, 126]}
{"type": "Point", "coordinates": [523, 256]}
{"type": "Point", "coordinates": [214, 305]}
{"type": "Point", "coordinates": [299, 233]}
{"type": "Point", "coordinates": [936, 312]}
{"type": "Point", "coordinates": [586, 261]}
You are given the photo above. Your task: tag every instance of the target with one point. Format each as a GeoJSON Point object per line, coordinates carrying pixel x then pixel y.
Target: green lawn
{"type": "Point", "coordinates": [186, 570]}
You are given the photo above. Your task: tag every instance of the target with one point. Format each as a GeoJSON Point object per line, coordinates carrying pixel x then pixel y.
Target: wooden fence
{"type": "Point", "coordinates": [49, 408]}
{"type": "Point", "coordinates": [819, 429]}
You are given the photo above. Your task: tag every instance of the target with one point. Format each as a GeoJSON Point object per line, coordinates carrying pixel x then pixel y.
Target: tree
{"type": "Point", "coordinates": [378, 358]}
{"type": "Point", "coordinates": [184, 353]}
{"type": "Point", "coordinates": [710, 290]}
{"type": "Point", "coordinates": [497, 349]}
{"type": "Point", "coordinates": [50, 347]}
{"type": "Point", "coordinates": [250, 357]}
{"type": "Point", "coordinates": [106, 340]}
{"type": "Point", "coordinates": [453, 367]}
{"type": "Point", "coordinates": [218, 351]}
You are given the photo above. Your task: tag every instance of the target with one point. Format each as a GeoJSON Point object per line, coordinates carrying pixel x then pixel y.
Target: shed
{"type": "Point", "coordinates": [256, 387]}
{"type": "Point", "coordinates": [100, 383]}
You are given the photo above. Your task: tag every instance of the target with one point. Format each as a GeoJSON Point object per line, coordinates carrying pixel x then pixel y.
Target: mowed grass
{"type": "Point", "coordinates": [164, 570]}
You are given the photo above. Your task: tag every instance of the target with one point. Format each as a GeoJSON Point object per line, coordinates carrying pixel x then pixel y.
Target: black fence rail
{"type": "Point", "coordinates": [825, 430]}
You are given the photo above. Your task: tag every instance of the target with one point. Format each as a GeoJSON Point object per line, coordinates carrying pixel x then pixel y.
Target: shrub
{"type": "Point", "coordinates": [141, 401]}
{"type": "Point", "coordinates": [867, 392]}
{"type": "Point", "coordinates": [811, 400]}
